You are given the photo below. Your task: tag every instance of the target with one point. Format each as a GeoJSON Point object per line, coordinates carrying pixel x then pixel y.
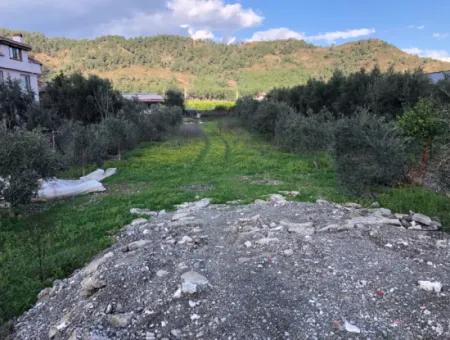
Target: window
{"type": "Point", "coordinates": [25, 82]}
{"type": "Point", "coordinates": [15, 53]}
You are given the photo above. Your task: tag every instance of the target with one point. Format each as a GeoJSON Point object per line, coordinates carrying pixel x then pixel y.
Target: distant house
{"type": "Point", "coordinates": [435, 77]}
{"type": "Point", "coordinates": [16, 64]}
{"type": "Point", "coordinates": [146, 98]}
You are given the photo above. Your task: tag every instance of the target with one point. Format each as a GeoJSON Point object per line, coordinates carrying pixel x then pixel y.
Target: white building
{"type": "Point", "coordinates": [15, 64]}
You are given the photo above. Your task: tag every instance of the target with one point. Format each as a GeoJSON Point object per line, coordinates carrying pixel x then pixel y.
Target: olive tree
{"type": "Point", "coordinates": [25, 157]}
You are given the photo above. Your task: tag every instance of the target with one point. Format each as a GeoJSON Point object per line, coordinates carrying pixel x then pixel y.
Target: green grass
{"type": "Point", "coordinates": [39, 248]}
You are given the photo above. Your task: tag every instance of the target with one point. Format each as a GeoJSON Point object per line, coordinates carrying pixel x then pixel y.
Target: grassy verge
{"type": "Point", "coordinates": [223, 165]}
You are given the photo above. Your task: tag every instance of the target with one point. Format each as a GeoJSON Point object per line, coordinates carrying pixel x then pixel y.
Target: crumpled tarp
{"type": "Point", "coordinates": [59, 188]}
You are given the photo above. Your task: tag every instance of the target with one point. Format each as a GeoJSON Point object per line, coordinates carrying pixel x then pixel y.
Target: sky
{"type": "Point", "coordinates": [417, 26]}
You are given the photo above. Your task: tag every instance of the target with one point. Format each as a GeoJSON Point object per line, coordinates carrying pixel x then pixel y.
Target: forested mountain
{"type": "Point", "coordinates": [213, 70]}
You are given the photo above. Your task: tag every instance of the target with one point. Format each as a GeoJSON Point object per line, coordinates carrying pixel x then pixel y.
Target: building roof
{"type": "Point", "coordinates": [144, 97]}
{"type": "Point", "coordinates": [13, 43]}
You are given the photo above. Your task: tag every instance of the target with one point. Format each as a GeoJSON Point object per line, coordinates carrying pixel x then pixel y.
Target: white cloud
{"type": "Point", "coordinates": [433, 54]}
{"type": "Point", "coordinates": [204, 18]}
{"type": "Point", "coordinates": [417, 27]}
{"type": "Point", "coordinates": [329, 37]}
{"type": "Point", "coordinates": [281, 33]}
{"type": "Point", "coordinates": [440, 36]}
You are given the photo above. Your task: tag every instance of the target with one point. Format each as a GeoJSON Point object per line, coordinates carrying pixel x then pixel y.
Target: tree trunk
{"type": "Point", "coordinates": [425, 158]}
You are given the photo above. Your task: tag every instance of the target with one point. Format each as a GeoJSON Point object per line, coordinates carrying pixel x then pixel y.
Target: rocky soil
{"type": "Point", "coordinates": [269, 270]}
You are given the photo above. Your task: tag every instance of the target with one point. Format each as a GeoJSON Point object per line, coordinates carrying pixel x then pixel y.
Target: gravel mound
{"type": "Point", "coordinates": [269, 270]}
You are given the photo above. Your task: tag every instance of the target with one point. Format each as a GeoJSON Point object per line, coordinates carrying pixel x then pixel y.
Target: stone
{"type": "Point", "coordinates": [120, 320]}
{"type": "Point", "coordinates": [143, 212]}
{"type": "Point", "coordinates": [442, 244]}
{"type": "Point", "coordinates": [352, 205]}
{"type": "Point", "coordinates": [185, 239]}
{"type": "Point", "coordinates": [193, 282]}
{"type": "Point", "coordinates": [176, 333]}
{"type": "Point", "coordinates": [93, 266]}
{"type": "Point", "coordinates": [288, 252]}
{"type": "Point", "coordinates": [302, 229]}
{"type": "Point", "coordinates": [422, 219]}
{"type": "Point", "coordinates": [137, 245]}
{"type": "Point", "coordinates": [162, 273]}
{"type": "Point", "coordinates": [351, 328]}
{"type": "Point", "coordinates": [248, 244]}
{"type": "Point", "coordinates": [430, 286]}
{"type": "Point", "coordinates": [90, 285]}
{"type": "Point", "coordinates": [267, 240]}
{"type": "Point", "coordinates": [138, 221]}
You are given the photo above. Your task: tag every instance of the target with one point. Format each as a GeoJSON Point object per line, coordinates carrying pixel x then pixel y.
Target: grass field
{"type": "Point", "coordinates": [223, 165]}
{"type": "Point", "coordinates": [208, 105]}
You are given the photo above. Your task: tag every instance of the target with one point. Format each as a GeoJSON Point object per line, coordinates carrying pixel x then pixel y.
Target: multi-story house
{"type": "Point", "coordinates": [16, 64]}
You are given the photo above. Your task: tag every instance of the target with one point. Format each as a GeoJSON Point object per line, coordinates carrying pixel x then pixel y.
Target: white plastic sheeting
{"type": "Point", "coordinates": [59, 188]}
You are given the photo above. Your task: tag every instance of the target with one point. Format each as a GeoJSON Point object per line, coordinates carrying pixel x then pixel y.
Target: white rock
{"type": "Point", "coordinates": [120, 320]}
{"type": "Point", "coordinates": [430, 286]}
{"type": "Point", "coordinates": [441, 244]}
{"type": "Point", "coordinates": [176, 333]}
{"type": "Point", "coordinates": [195, 317]}
{"type": "Point", "coordinates": [303, 229]}
{"type": "Point", "coordinates": [185, 239]}
{"type": "Point", "coordinates": [351, 328]}
{"type": "Point", "coordinates": [162, 273]}
{"type": "Point", "coordinates": [288, 252]}
{"type": "Point", "coordinates": [193, 282]}
{"type": "Point", "coordinates": [144, 212]}
{"type": "Point", "coordinates": [90, 285]}
{"type": "Point", "coordinates": [267, 240]}
{"type": "Point", "coordinates": [93, 266]}
{"type": "Point", "coordinates": [137, 244]}
{"type": "Point", "coordinates": [138, 221]}
{"type": "Point", "coordinates": [248, 244]}
{"type": "Point", "coordinates": [177, 294]}
{"type": "Point", "coordinates": [422, 219]}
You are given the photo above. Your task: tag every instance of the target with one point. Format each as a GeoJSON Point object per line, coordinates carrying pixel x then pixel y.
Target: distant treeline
{"type": "Point", "coordinates": [210, 70]}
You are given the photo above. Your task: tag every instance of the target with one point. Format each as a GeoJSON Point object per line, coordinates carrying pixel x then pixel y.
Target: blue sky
{"type": "Point", "coordinates": [417, 26]}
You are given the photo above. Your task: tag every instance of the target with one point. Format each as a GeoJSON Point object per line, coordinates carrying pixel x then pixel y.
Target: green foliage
{"type": "Point", "coordinates": [422, 122]}
{"type": "Point", "coordinates": [174, 98]}
{"type": "Point", "coordinates": [88, 100]}
{"type": "Point", "coordinates": [120, 135]}
{"type": "Point", "coordinates": [305, 134]}
{"type": "Point", "coordinates": [384, 94]}
{"type": "Point", "coordinates": [369, 152]}
{"type": "Point", "coordinates": [25, 157]}
{"type": "Point", "coordinates": [14, 104]}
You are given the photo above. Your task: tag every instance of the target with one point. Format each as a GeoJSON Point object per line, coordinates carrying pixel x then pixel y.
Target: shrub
{"type": "Point", "coordinates": [305, 134]}
{"type": "Point", "coordinates": [245, 109]}
{"type": "Point", "coordinates": [369, 152]}
{"type": "Point", "coordinates": [14, 104]}
{"type": "Point", "coordinates": [120, 135]}
{"type": "Point", "coordinates": [423, 123]}
{"type": "Point", "coordinates": [444, 170]}
{"type": "Point", "coordinates": [80, 145]}
{"type": "Point", "coordinates": [88, 100]}
{"type": "Point", "coordinates": [25, 157]}
{"type": "Point", "coordinates": [174, 98]}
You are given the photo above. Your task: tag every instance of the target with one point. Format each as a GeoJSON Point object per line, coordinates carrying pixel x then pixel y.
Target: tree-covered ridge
{"type": "Point", "coordinates": [213, 70]}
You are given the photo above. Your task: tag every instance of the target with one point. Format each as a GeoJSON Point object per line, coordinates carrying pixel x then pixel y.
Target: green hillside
{"type": "Point", "coordinates": [212, 70]}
